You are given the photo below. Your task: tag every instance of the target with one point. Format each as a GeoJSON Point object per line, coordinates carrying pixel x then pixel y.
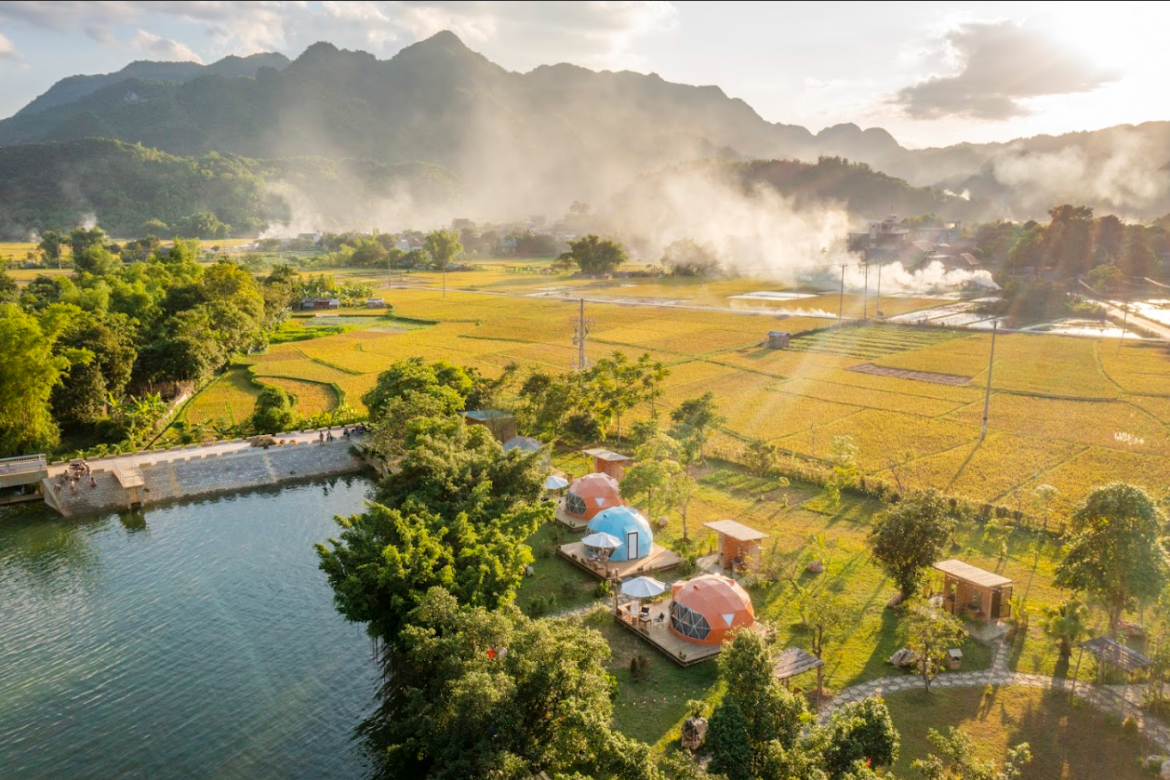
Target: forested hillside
{"type": "Point", "coordinates": [133, 190]}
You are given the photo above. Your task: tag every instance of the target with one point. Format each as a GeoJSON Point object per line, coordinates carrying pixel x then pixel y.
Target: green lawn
{"type": "Point", "coordinates": [553, 575]}
{"type": "Point", "coordinates": [653, 708]}
{"type": "Point", "coordinates": [1069, 740]}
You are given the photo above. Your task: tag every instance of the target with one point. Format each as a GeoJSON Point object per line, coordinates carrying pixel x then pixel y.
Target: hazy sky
{"type": "Point", "coordinates": [931, 73]}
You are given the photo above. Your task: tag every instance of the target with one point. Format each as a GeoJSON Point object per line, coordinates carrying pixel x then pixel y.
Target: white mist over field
{"type": "Point", "coordinates": [759, 233]}
{"type": "Point", "coordinates": [1123, 175]}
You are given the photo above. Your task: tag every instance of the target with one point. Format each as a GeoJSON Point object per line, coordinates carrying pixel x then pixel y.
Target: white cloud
{"type": "Point", "coordinates": [158, 48]}
{"type": "Point", "coordinates": [597, 33]}
{"type": "Point", "coordinates": [1000, 64]}
{"type": "Point", "coordinates": [7, 50]}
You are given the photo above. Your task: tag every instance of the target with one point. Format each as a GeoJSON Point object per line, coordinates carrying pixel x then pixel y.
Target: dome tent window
{"type": "Point", "coordinates": [575, 504]}
{"type": "Point", "coordinates": [688, 622]}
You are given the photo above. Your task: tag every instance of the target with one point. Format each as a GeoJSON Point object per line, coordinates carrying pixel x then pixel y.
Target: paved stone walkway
{"type": "Point", "coordinates": [151, 457]}
{"type": "Point", "coordinates": [1113, 699]}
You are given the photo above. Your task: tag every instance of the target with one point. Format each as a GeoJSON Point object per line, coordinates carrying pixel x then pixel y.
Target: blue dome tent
{"type": "Point", "coordinates": [627, 524]}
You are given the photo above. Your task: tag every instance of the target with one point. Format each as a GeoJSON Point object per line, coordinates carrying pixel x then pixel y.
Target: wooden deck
{"type": "Point", "coordinates": [564, 518]}
{"type": "Point", "coordinates": [657, 633]}
{"type": "Point", "coordinates": [659, 559]}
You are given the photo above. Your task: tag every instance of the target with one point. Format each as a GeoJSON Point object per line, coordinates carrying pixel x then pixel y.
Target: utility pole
{"type": "Point", "coordinates": [1124, 323]}
{"type": "Point", "coordinates": [990, 365]}
{"type": "Point", "coordinates": [581, 360]}
{"type": "Point", "coordinates": [841, 299]}
{"type": "Point", "coordinates": [877, 308]}
{"type": "Point", "coordinates": [865, 294]}
{"type": "Point", "coordinates": [444, 280]}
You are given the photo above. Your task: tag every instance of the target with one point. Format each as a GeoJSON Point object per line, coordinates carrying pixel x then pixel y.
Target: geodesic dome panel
{"type": "Point", "coordinates": [688, 622]}
{"type": "Point", "coordinates": [574, 504]}
{"type": "Point", "coordinates": [722, 604]}
{"type": "Point", "coordinates": [591, 494]}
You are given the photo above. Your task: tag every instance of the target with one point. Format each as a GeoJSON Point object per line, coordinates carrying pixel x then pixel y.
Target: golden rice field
{"type": "Point", "coordinates": [1070, 412]}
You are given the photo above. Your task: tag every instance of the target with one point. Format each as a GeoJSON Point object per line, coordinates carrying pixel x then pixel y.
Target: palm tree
{"type": "Point", "coordinates": [1067, 623]}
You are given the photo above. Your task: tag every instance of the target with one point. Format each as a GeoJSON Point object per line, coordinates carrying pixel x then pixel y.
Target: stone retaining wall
{"type": "Point", "coordinates": [192, 473]}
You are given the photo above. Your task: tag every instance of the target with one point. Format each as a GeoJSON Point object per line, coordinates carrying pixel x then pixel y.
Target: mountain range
{"type": "Point", "coordinates": [526, 142]}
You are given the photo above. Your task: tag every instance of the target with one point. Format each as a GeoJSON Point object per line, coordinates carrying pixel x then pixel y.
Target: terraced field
{"type": "Point", "coordinates": [1070, 412]}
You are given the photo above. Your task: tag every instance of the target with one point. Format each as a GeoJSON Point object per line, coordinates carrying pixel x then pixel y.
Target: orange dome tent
{"type": "Point", "coordinates": [706, 609]}
{"type": "Point", "coordinates": [590, 495]}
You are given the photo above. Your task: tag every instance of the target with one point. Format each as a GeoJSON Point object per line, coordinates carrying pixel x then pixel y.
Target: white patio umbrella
{"type": "Point", "coordinates": [643, 588]}
{"type": "Point", "coordinates": [602, 541]}
{"type": "Point", "coordinates": [553, 482]}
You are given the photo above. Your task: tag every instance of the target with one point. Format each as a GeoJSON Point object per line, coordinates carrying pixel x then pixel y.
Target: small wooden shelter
{"type": "Point", "coordinates": [738, 546]}
{"type": "Point", "coordinates": [611, 463]}
{"type": "Point", "coordinates": [1110, 652]}
{"type": "Point", "coordinates": [969, 591]}
{"type": "Point", "coordinates": [794, 661]}
{"type": "Point", "coordinates": [778, 339]}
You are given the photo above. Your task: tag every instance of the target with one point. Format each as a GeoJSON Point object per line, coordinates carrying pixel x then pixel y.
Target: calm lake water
{"type": "Point", "coordinates": [197, 640]}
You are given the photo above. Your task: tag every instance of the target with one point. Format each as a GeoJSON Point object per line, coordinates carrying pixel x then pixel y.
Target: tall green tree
{"type": "Point", "coordinates": [860, 731]}
{"type": "Point", "coordinates": [29, 370]}
{"type": "Point", "coordinates": [1115, 554]}
{"type": "Point", "coordinates": [482, 694]}
{"type": "Point", "coordinates": [1068, 244]}
{"type": "Point", "coordinates": [756, 711]}
{"type": "Point", "coordinates": [411, 389]}
{"type": "Point", "coordinates": [9, 291]}
{"type": "Point", "coordinates": [273, 411]}
{"type": "Point", "coordinates": [695, 420]}
{"type": "Point", "coordinates": [844, 470]}
{"type": "Point", "coordinates": [929, 632]}
{"type": "Point", "coordinates": [453, 468]}
{"type": "Point", "coordinates": [908, 537]}
{"type": "Point", "coordinates": [51, 245]}
{"type": "Point", "coordinates": [456, 513]}
{"type": "Point", "coordinates": [1067, 623]}
{"type": "Point", "coordinates": [1140, 259]}
{"type": "Point", "coordinates": [81, 239]}
{"type": "Point", "coordinates": [96, 260]}
{"type": "Point", "coordinates": [615, 385]}
{"type": "Point", "coordinates": [81, 398]}
{"type": "Point", "coordinates": [655, 481]}
{"type": "Point", "coordinates": [595, 256]}
{"type": "Point", "coordinates": [443, 246]}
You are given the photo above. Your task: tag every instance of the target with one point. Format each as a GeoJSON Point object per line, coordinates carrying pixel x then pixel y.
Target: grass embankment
{"type": "Point", "coordinates": [1069, 740]}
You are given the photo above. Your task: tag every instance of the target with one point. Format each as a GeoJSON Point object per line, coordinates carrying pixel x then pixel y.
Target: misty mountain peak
{"type": "Point", "coordinates": [443, 45]}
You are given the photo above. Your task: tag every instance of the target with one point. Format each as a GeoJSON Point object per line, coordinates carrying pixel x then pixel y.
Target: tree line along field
{"type": "Point", "coordinates": [1069, 412]}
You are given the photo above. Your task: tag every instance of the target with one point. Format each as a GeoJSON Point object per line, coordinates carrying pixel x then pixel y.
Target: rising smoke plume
{"type": "Point", "coordinates": [757, 232]}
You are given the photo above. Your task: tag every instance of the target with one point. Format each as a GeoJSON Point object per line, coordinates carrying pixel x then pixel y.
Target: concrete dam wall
{"type": "Point", "coordinates": [180, 474]}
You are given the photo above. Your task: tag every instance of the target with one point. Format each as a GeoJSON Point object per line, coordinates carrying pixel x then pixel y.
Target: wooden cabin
{"type": "Point", "coordinates": [611, 463]}
{"type": "Point", "coordinates": [974, 593]}
{"type": "Point", "coordinates": [737, 545]}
